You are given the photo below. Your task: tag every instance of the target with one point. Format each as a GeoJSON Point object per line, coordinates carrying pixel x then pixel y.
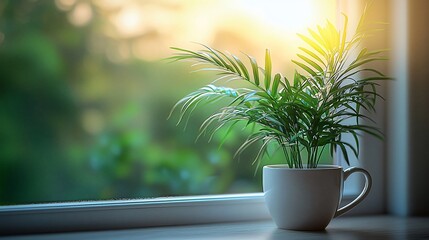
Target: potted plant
{"type": "Point", "coordinates": [302, 116]}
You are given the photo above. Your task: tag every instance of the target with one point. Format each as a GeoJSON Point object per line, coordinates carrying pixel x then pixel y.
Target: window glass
{"type": "Point", "coordinates": [85, 96]}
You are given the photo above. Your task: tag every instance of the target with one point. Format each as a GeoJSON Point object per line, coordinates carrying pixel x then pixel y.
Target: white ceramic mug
{"type": "Point", "coordinates": [308, 199]}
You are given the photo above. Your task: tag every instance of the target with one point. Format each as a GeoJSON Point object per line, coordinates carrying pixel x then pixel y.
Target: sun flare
{"type": "Point", "coordinates": [238, 25]}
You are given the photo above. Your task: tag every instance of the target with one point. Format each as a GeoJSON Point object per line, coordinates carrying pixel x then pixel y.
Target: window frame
{"type": "Point", "coordinates": [120, 214]}
{"type": "Point", "coordinates": [138, 213]}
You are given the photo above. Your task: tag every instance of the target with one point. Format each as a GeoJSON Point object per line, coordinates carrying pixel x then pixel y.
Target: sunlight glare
{"type": "Point", "coordinates": [149, 28]}
{"type": "Point", "coordinates": [289, 16]}
{"type": "Point", "coordinates": [129, 21]}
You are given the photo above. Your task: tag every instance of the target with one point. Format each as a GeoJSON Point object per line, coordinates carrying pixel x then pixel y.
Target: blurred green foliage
{"type": "Point", "coordinates": [75, 126]}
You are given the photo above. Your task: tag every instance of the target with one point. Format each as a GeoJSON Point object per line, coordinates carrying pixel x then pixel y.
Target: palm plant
{"type": "Point", "coordinates": [305, 114]}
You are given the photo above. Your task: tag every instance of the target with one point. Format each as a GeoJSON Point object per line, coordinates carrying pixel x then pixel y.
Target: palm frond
{"type": "Point", "coordinates": [308, 114]}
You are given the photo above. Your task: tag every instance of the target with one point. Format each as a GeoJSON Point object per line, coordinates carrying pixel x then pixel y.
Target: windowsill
{"type": "Point", "coordinates": [357, 227]}
{"type": "Point", "coordinates": [125, 214]}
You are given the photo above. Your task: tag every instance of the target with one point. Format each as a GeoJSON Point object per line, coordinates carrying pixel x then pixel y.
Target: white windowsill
{"type": "Point", "coordinates": [357, 227]}
{"type": "Point", "coordinates": [121, 214]}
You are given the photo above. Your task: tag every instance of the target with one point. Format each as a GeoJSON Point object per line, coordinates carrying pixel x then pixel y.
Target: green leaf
{"type": "Point", "coordinates": [313, 44]}
{"type": "Point", "coordinates": [296, 79]}
{"type": "Point", "coordinates": [307, 69]}
{"type": "Point", "coordinates": [232, 62]}
{"type": "Point", "coordinates": [255, 69]}
{"type": "Point", "coordinates": [242, 67]}
{"type": "Point", "coordinates": [344, 152]}
{"type": "Point", "coordinates": [276, 83]}
{"type": "Point", "coordinates": [311, 63]}
{"type": "Point", "coordinates": [313, 55]}
{"type": "Point", "coordinates": [267, 69]}
{"type": "Point", "coordinates": [218, 57]}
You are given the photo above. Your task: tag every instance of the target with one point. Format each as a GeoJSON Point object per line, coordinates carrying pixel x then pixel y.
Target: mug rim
{"type": "Point", "coordinates": [286, 167]}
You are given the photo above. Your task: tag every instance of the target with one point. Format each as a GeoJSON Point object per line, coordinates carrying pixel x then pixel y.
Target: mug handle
{"type": "Point", "coordinates": [362, 195]}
